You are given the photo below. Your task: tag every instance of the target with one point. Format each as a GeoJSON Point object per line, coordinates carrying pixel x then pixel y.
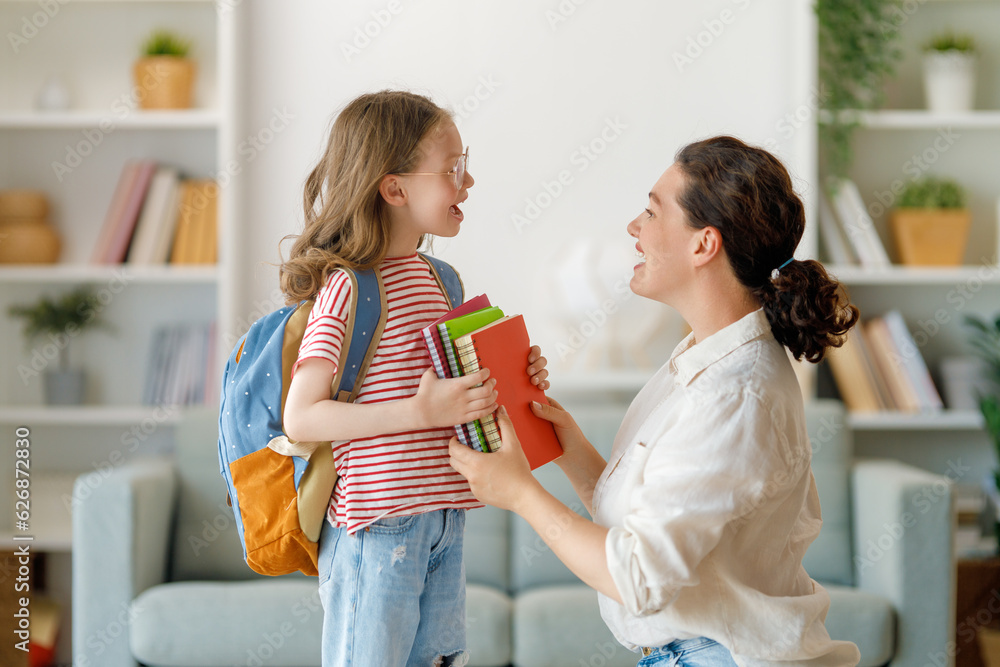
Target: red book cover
{"type": "Point", "coordinates": [118, 247]}
{"type": "Point", "coordinates": [503, 348]}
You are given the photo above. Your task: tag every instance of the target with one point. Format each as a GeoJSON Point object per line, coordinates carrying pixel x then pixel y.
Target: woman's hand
{"type": "Point", "coordinates": [570, 436]}
{"type": "Point", "coordinates": [450, 401]}
{"type": "Point", "coordinates": [502, 478]}
{"type": "Point", "coordinates": [536, 368]}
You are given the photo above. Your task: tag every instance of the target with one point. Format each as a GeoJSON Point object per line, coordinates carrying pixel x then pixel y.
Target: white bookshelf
{"type": "Point", "coordinates": [892, 146]}
{"type": "Point", "coordinates": [92, 45]}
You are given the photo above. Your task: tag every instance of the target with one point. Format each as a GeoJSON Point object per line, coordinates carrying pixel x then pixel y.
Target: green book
{"type": "Point", "coordinates": [466, 324]}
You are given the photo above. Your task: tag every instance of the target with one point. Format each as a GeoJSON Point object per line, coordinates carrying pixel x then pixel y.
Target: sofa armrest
{"type": "Point", "coordinates": [121, 537]}
{"type": "Point", "coordinates": [903, 535]}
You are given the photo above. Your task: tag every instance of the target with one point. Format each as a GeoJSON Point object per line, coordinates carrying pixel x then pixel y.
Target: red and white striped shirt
{"type": "Point", "coordinates": [395, 474]}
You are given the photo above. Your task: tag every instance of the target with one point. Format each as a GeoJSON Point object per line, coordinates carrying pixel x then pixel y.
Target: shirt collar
{"type": "Point", "coordinates": [688, 359]}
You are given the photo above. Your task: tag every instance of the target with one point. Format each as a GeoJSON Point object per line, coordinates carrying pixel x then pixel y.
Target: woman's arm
{"type": "Point", "coordinates": [311, 415]}
{"type": "Point", "coordinates": [503, 478]}
{"type": "Point", "coordinates": [580, 461]}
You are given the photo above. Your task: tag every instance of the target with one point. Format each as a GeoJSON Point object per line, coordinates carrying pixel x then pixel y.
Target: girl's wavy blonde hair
{"type": "Point", "coordinates": [346, 219]}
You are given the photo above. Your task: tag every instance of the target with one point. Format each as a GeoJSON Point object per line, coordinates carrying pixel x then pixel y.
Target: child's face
{"type": "Point", "coordinates": [433, 200]}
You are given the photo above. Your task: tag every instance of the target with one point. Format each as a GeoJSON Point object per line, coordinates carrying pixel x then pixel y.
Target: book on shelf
{"type": "Point", "coordinates": [153, 231]}
{"type": "Point", "coordinates": [195, 239]}
{"type": "Point", "coordinates": [156, 217]}
{"type": "Point", "coordinates": [838, 250]}
{"type": "Point", "coordinates": [180, 365]}
{"type": "Point", "coordinates": [857, 226]}
{"type": "Point", "coordinates": [471, 338]}
{"type": "Point", "coordinates": [879, 367]}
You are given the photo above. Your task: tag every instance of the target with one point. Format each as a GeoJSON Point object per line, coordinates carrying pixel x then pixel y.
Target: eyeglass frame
{"type": "Point", "coordinates": [458, 171]}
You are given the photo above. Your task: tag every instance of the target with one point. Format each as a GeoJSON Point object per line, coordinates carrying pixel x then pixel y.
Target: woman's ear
{"type": "Point", "coordinates": [708, 245]}
{"type": "Point", "coordinates": [391, 189]}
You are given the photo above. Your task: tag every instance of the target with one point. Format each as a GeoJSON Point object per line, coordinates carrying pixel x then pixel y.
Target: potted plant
{"type": "Point", "coordinates": [950, 73]}
{"type": "Point", "coordinates": [858, 50]}
{"type": "Point", "coordinates": [58, 321]}
{"type": "Point", "coordinates": [164, 75]}
{"type": "Point", "coordinates": [930, 225]}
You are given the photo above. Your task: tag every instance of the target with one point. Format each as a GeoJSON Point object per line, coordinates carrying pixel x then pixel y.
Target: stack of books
{"type": "Point", "coordinates": [880, 367]}
{"type": "Point", "coordinates": [477, 335]}
{"type": "Point", "coordinates": [157, 217]}
{"type": "Point", "coordinates": [847, 230]}
{"type": "Point", "coordinates": [181, 368]}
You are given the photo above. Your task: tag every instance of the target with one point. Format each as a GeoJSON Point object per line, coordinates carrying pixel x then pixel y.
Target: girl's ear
{"type": "Point", "coordinates": [391, 189]}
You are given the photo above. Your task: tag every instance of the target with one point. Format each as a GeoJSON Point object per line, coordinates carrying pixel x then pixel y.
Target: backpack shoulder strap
{"type": "Point", "coordinates": [365, 323]}
{"type": "Point", "coordinates": [448, 278]}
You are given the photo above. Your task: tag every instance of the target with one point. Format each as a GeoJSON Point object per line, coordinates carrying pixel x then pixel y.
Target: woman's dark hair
{"type": "Point", "coordinates": [746, 194]}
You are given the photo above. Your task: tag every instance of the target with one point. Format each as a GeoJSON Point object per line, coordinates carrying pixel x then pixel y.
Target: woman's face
{"type": "Point", "coordinates": [664, 241]}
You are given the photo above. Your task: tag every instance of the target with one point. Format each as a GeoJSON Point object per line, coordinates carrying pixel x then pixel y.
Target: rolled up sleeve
{"type": "Point", "coordinates": [698, 475]}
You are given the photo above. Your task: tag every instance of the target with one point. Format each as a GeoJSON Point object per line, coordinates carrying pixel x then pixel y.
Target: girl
{"type": "Point", "coordinates": [391, 577]}
{"type": "Point", "coordinates": [701, 522]}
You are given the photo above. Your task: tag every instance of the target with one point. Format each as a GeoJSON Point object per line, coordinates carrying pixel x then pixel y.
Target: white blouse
{"type": "Point", "coordinates": [711, 505]}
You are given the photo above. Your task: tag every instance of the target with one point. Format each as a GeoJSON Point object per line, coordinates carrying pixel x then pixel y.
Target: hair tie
{"type": "Point", "coordinates": [777, 271]}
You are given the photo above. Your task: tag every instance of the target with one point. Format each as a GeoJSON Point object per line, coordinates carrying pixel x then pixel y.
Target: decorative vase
{"type": "Point", "coordinates": [26, 237]}
{"type": "Point", "coordinates": [930, 237]}
{"type": "Point", "coordinates": [53, 96]}
{"type": "Point", "coordinates": [164, 82]}
{"type": "Point", "coordinates": [949, 80]}
{"type": "Point", "coordinates": [64, 387]}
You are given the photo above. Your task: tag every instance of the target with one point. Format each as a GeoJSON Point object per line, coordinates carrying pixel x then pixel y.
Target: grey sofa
{"type": "Point", "coordinates": [158, 576]}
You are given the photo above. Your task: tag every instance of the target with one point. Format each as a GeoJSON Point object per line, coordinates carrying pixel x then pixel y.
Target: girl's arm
{"type": "Point", "coordinates": [580, 460]}
{"type": "Point", "coordinates": [503, 478]}
{"type": "Point", "coordinates": [311, 415]}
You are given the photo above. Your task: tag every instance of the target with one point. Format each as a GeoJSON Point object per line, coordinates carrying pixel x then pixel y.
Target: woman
{"type": "Point", "coordinates": [708, 505]}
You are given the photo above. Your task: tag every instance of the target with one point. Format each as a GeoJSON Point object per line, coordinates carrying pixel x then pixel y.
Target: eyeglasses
{"type": "Point", "coordinates": [458, 172]}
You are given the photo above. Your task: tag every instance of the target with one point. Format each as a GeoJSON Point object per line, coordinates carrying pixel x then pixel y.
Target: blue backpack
{"type": "Point", "coordinates": [280, 489]}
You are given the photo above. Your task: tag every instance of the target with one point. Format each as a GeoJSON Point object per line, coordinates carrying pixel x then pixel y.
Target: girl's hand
{"type": "Point", "coordinates": [450, 401]}
{"type": "Point", "coordinates": [502, 478]}
{"type": "Point", "coordinates": [536, 368]}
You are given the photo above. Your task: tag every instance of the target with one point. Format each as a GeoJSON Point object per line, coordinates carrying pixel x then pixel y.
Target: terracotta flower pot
{"type": "Point", "coordinates": [164, 82]}
{"type": "Point", "coordinates": [930, 237]}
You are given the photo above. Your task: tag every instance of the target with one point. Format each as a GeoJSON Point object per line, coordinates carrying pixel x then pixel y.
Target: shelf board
{"type": "Point", "coordinates": [914, 275]}
{"type": "Point", "coordinates": [88, 415]}
{"type": "Point", "coordinates": [133, 119]}
{"type": "Point", "coordinates": [50, 523]}
{"type": "Point", "coordinates": [943, 420]}
{"type": "Point", "coordinates": [920, 119]}
{"type": "Point", "coordinates": [126, 273]}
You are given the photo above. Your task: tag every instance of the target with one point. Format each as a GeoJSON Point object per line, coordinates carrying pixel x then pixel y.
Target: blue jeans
{"type": "Point", "coordinates": [697, 652]}
{"type": "Point", "coordinates": [393, 593]}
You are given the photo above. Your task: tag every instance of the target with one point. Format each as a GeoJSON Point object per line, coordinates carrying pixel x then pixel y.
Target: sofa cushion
{"type": "Point", "coordinates": [485, 547]}
{"type": "Point", "coordinates": [865, 619]}
{"type": "Point", "coordinates": [562, 625]}
{"type": "Point", "coordinates": [488, 626]}
{"type": "Point", "coordinates": [205, 544]}
{"type": "Point", "coordinates": [274, 622]}
{"type": "Point", "coordinates": [829, 557]}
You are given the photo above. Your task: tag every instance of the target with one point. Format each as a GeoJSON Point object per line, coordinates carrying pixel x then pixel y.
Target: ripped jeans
{"type": "Point", "coordinates": [393, 593]}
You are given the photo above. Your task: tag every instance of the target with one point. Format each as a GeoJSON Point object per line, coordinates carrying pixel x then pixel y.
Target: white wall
{"type": "Point", "coordinates": [530, 82]}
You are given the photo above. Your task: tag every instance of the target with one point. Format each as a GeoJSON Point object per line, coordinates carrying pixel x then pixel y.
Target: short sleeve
{"type": "Point", "coordinates": [699, 475]}
{"type": "Point", "coordinates": [326, 327]}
